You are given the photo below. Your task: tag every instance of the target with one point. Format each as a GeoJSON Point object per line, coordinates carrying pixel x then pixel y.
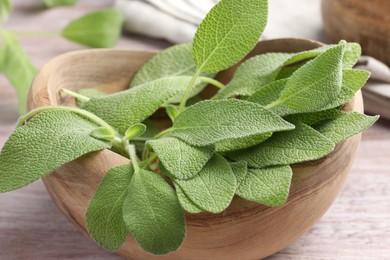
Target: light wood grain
{"type": "Point", "coordinates": [245, 230]}
{"type": "Point", "coordinates": [365, 22]}
{"type": "Point", "coordinates": [357, 225]}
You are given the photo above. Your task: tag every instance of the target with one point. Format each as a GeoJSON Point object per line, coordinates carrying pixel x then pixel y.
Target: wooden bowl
{"type": "Point", "coordinates": [245, 230]}
{"type": "Point", "coordinates": [362, 21]}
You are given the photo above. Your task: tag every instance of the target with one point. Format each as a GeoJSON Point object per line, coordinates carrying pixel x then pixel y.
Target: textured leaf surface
{"type": "Point", "coordinates": [351, 55]}
{"type": "Point", "coordinates": [153, 214]}
{"type": "Point", "coordinates": [240, 170]}
{"type": "Point", "coordinates": [254, 73]}
{"type": "Point", "coordinates": [216, 45]}
{"type": "Point", "coordinates": [182, 160]}
{"type": "Point", "coordinates": [213, 188]}
{"type": "Point", "coordinates": [46, 142]}
{"type": "Point", "coordinates": [53, 3]}
{"type": "Point", "coordinates": [17, 67]}
{"type": "Point", "coordinates": [241, 143]}
{"type": "Point", "coordinates": [313, 117]}
{"type": "Point", "coordinates": [208, 122]}
{"type": "Point", "coordinates": [100, 29]}
{"type": "Point", "coordinates": [316, 83]}
{"type": "Point", "coordinates": [134, 105]}
{"type": "Point", "coordinates": [104, 216]}
{"type": "Point", "coordinates": [187, 204]}
{"type": "Point", "coordinates": [268, 93]}
{"type": "Point", "coordinates": [174, 61]}
{"type": "Point", "coordinates": [268, 186]}
{"type": "Point", "coordinates": [353, 80]}
{"type": "Point", "coordinates": [299, 145]}
{"type": "Point", "coordinates": [345, 125]}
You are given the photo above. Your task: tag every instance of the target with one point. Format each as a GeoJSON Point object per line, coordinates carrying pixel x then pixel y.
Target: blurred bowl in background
{"type": "Point", "coordinates": [362, 21]}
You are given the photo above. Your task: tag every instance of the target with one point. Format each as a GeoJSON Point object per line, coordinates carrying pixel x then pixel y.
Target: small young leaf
{"type": "Point", "coordinates": [174, 61]}
{"type": "Point", "coordinates": [213, 188]}
{"type": "Point", "coordinates": [212, 121]}
{"type": "Point", "coordinates": [54, 3]}
{"type": "Point", "coordinates": [182, 160]}
{"type": "Point", "coordinates": [151, 131]}
{"type": "Point", "coordinates": [316, 83]}
{"type": "Point", "coordinates": [215, 45]}
{"type": "Point", "coordinates": [345, 125]}
{"type": "Point", "coordinates": [254, 73]}
{"type": "Point", "coordinates": [268, 186]}
{"type": "Point", "coordinates": [152, 213]}
{"type": "Point", "coordinates": [240, 170]}
{"type": "Point", "coordinates": [241, 143]}
{"type": "Point", "coordinates": [119, 109]}
{"type": "Point", "coordinates": [104, 216]}
{"type": "Point", "coordinates": [17, 67]}
{"type": "Point", "coordinates": [46, 142]}
{"type": "Point", "coordinates": [103, 133]}
{"type": "Point", "coordinates": [5, 9]}
{"type": "Point", "coordinates": [299, 145]}
{"type": "Point", "coordinates": [172, 112]}
{"type": "Point", "coordinates": [100, 29]}
{"type": "Point", "coordinates": [135, 130]}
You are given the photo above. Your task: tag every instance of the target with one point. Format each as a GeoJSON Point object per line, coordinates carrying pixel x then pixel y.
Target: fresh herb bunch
{"type": "Point", "coordinates": [100, 29]}
{"type": "Point", "coordinates": [279, 109]}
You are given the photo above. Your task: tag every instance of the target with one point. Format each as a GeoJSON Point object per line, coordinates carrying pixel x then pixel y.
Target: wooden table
{"type": "Point", "coordinates": [356, 227]}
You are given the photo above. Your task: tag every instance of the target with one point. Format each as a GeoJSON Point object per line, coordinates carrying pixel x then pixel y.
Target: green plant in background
{"type": "Point", "coordinates": [279, 109]}
{"type": "Point", "coordinates": [100, 29]}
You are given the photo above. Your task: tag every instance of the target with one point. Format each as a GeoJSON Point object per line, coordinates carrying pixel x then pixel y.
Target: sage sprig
{"type": "Point", "coordinates": [288, 111]}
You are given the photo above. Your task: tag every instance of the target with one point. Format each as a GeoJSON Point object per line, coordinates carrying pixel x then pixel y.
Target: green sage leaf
{"type": "Point", "coordinates": [254, 73]}
{"type": "Point", "coordinates": [100, 29]}
{"type": "Point", "coordinates": [174, 61]}
{"type": "Point", "coordinates": [213, 188]}
{"type": "Point", "coordinates": [240, 170]}
{"type": "Point", "coordinates": [152, 213]}
{"type": "Point", "coordinates": [118, 109]}
{"type": "Point", "coordinates": [345, 125]}
{"type": "Point", "coordinates": [103, 133]}
{"type": "Point", "coordinates": [299, 145]}
{"type": "Point", "coordinates": [104, 216]}
{"type": "Point", "coordinates": [186, 203]}
{"type": "Point", "coordinates": [135, 130]}
{"type": "Point", "coordinates": [316, 83]}
{"type": "Point", "coordinates": [54, 3]}
{"type": "Point", "coordinates": [211, 121]}
{"type": "Point", "coordinates": [313, 117]}
{"type": "Point", "coordinates": [353, 80]}
{"type": "Point", "coordinates": [215, 46]}
{"type": "Point", "coordinates": [17, 67]}
{"type": "Point", "coordinates": [241, 143]}
{"type": "Point", "coordinates": [268, 186]}
{"type": "Point", "coordinates": [182, 160]}
{"type": "Point", "coordinates": [46, 142]}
